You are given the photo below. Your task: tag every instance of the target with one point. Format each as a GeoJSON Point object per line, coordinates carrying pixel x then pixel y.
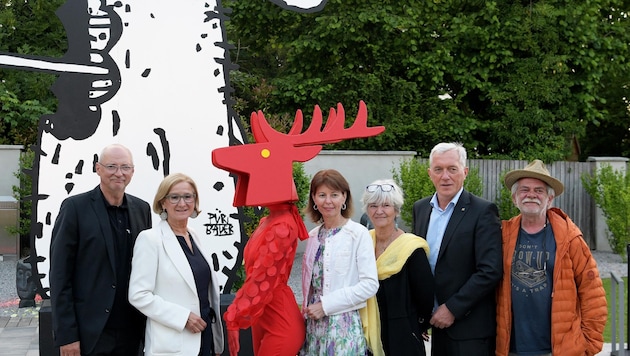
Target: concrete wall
{"type": "Point", "coordinates": [10, 163]}
{"type": "Point", "coordinates": [360, 168]}
{"type": "Point", "coordinates": [9, 207]}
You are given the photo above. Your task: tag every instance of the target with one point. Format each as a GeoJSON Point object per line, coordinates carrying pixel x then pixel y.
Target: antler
{"type": "Point", "coordinates": [334, 131]}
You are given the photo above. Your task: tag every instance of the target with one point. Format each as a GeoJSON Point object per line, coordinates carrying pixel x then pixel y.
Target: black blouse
{"type": "Point", "coordinates": [201, 272]}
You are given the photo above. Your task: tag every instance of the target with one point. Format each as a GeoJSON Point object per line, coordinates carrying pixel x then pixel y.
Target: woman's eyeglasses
{"type": "Point", "coordinates": [383, 187]}
{"type": "Point", "coordinates": [174, 198]}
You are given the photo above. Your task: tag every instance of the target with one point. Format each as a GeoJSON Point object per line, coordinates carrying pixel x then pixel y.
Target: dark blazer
{"type": "Point", "coordinates": [82, 267]}
{"type": "Point", "coordinates": [469, 264]}
{"type": "Point", "coordinates": [405, 301]}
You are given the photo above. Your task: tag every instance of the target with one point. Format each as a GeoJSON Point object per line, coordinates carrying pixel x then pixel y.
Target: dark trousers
{"type": "Point", "coordinates": [117, 342]}
{"type": "Point", "coordinates": [443, 345]}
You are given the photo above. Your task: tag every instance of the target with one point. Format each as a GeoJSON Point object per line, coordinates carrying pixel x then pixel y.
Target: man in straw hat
{"type": "Point", "coordinates": [544, 255]}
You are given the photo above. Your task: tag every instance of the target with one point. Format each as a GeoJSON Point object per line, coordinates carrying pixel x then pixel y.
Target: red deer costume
{"type": "Point", "coordinates": [265, 302]}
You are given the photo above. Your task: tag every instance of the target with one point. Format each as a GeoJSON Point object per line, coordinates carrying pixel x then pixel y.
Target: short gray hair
{"type": "Point", "coordinates": [449, 146]}
{"type": "Point", "coordinates": [378, 196]}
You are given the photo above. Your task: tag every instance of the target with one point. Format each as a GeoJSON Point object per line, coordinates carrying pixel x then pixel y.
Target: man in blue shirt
{"type": "Point", "coordinates": [464, 236]}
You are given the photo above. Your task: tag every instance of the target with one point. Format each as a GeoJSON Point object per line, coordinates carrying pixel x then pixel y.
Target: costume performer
{"type": "Point", "coordinates": [264, 169]}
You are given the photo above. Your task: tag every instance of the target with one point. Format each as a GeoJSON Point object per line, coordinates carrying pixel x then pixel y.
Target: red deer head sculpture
{"type": "Point", "coordinates": [265, 168]}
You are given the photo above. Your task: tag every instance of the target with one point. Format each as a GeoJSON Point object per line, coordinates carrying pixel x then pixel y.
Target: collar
{"type": "Point", "coordinates": [109, 206]}
{"type": "Point", "coordinates": [453, 202]}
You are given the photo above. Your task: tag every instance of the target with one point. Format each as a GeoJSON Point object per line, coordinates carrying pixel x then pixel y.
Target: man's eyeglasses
{"type": "Point", "coordinates": [384, 187]}
{"type": "Point", "coordinates": [113, 168]}
{"type": "Point", "coordinates": [174, 198]}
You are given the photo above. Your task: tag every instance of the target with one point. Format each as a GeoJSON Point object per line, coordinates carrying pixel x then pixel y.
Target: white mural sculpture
{"type": "Point", "coordinates": [154, 76]}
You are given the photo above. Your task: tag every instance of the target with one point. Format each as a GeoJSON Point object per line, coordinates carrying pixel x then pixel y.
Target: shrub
{"type": "Point", "coordinates": [21, 193]}
{"type": "Point", "coordinates": [507, 209]}
{"type": "Point", "coordinates": [610, 190]}
{"type": "Point", "coordinates": [412, 176]}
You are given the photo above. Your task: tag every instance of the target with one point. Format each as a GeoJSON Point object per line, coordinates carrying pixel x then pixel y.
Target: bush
{"type": "Point", "coordinates": [412, 176]}
{"type": "Point", "coordinates": [507, 209]}
{"type": "Point", "coordinates": [611, 192]}
{"type": "Point", "coordinates": [21, 193]}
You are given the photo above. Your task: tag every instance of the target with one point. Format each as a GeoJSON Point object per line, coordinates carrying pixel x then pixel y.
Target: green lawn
{"type": "Point", "coordinates": [607, 282]}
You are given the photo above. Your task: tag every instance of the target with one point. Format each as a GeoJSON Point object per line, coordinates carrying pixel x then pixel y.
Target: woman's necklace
{"type": "Point", "coordinates": [382, 246]}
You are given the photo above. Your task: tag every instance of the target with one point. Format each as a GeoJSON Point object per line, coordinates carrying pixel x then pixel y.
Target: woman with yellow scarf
{"type": "Point", "coordinates": [406, 289]}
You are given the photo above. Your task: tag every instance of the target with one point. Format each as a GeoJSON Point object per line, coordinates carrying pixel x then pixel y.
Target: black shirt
{"type": "Point", "coordinates": [201, 273]}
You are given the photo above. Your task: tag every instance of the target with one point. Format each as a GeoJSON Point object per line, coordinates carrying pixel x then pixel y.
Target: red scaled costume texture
{"type": "Point", "coordinates": [265, 178]}
{"type": "Point", "coordinates": [265, 302]}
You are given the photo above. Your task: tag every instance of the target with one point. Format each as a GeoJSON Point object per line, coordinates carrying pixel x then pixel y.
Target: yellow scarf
{"type": "Point", "coordinates": [390, 262]}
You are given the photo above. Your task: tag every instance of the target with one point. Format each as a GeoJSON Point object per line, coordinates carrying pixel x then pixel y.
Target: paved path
{"type": "Point", "coordinates": [19, 336]}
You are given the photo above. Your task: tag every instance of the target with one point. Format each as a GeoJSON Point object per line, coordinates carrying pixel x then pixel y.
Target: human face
{"type": "Point", "coordinates": [447, 175]}
{"type": "Point", "coordinates": [114, 182]}
{"type": "Point", "coordinates": [329, 203]}
{"type": "Point", "coordinates": [531, 197]}
{"type": "Point", "coordinates": [183, 208]}
{"type": "Point", "coordinates": [382, 215]}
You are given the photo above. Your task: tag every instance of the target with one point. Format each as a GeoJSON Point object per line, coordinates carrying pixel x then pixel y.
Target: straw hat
{"type": "Point", "coordinates": [536, 169]}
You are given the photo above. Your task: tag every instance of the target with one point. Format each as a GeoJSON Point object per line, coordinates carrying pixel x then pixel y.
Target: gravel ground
{"type": "Point", "coordinates": [607, 262]}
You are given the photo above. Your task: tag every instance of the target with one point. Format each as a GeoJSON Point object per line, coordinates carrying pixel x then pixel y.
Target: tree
{"type": "Point", "coordinates": [28, 27]}
{"type": "Point", "coordinates": [524, 78]}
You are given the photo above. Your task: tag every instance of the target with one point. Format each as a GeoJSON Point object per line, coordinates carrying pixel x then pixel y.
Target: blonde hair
{"type": "Point", "coordinates": [165, 186]}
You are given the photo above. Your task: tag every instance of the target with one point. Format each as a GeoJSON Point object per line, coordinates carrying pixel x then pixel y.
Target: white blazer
{"type": "Point", "coordinates": [162, 287]}
{"type": "Point", "coordinates": [350, 275]}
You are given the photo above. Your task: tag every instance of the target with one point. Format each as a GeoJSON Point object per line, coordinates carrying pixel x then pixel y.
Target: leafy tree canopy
{"type": "Point", "coordinates": [525, 79]}
{"type": "Point", "coordinates": [27, 27]}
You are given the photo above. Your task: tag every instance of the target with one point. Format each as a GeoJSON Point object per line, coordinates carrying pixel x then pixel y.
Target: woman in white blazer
{"type": "Point", "coordinates": [171, 280]}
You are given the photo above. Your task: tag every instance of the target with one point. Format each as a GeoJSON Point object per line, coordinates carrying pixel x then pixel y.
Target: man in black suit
{"type": "Point", "coordinates": [464, 236]}
{"type": "Point", "coordinates": [90, 262]}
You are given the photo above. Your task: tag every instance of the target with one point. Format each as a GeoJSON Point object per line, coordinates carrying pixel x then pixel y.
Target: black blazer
{"type": "Point", "coordinates": [82, 267]}
{"type": "Point", "coordinates": [469, 264]}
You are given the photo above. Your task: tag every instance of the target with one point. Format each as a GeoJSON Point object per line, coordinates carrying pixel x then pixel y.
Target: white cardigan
{"type": "Point", "coordinates": [163, 288]}
{"type": "Point", "coordinates": [350, 275]}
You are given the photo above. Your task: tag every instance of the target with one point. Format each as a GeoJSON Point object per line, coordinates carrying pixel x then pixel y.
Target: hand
{"type": "Point", "coordinates": [315, 311]}
{"type": "Point", "coordinates": [442, 318]}
{"type": "Point", "coordinates": [195, 324]}
{"type": "Point", "coordinates": [425, 336]}
{"type": "Point", "coordinates": [73, 349]}
{"type": "Point", "coordinates": [233, 342]}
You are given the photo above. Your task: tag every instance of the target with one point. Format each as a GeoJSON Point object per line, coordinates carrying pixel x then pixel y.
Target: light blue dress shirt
{"type": "Point", "coordinates": [437, 225]}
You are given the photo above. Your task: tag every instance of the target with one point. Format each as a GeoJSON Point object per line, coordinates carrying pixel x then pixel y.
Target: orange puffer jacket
{"type": "Point", "coordinates": [578, 307]}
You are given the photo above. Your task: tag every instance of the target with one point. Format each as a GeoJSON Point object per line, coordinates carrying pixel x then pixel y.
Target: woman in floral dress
{"type": "Point", "coordinates": [338, 271]}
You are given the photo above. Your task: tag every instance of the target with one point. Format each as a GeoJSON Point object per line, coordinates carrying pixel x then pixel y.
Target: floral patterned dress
{"type": "Point", "coordinates": [339, 334]}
